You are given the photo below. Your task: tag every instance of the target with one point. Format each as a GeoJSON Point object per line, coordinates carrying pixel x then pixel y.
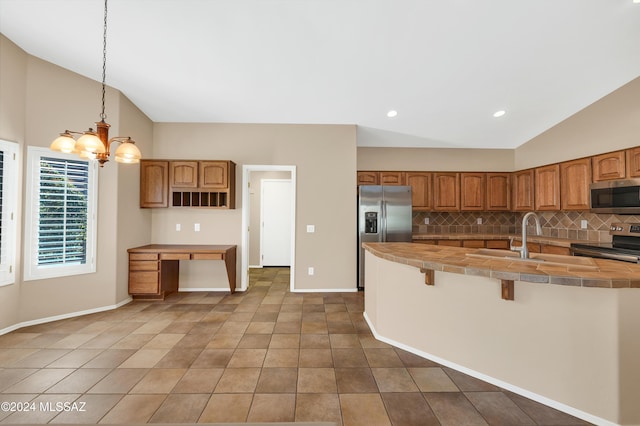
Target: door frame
{"type": "Point", "coordinates": [246, 210]}
{"type": "Point", "coordinates": [262, 213]}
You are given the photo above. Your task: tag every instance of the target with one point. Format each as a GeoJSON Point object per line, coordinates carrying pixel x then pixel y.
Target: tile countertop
{"type": "Point", "coordinates": [561, 242]}
{"type": "Point", "coordinates": [467, 261]}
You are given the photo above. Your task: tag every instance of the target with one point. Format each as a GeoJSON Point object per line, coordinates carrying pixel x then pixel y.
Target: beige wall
{"type": "Point", "coordinates": [38, 101]}
{"type": "Point", "coordinates": [608, 124]}
{"type": "Point", "coordinates": [574, 348]}
{"type": "Point", "coordinates": [435, 159]}
{"type": "Point", "coordinates": [13, 72]}
{"type": "Point", "coordinates": [325, 160]}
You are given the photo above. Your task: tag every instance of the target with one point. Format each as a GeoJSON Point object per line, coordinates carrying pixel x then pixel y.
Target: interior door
{"type": "Point", "coordinates": [275, 240]}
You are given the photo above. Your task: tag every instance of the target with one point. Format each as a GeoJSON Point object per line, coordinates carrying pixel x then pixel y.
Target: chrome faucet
{"type": "Point", "coordinates": [524, 252]}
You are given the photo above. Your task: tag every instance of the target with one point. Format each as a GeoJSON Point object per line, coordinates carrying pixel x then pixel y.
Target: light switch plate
{"type": "Point", "coordinates": [311, 270]}
{"type": "Point", "coordinates": [196, 227]}
{"type": "Point", "coordinates": [311, 229]}
{"type": "Point", "coordinates": [178, 227]}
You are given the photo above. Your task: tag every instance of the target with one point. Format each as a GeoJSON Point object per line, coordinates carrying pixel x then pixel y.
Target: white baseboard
{"type": "Point", "coordinates": [324, 290]}
{"type": "Point", "coordinates": [63, 316]}
{"type": "Point", "coordinates": [515, 389]}
{"type": "Point", "coordinates": [195, 289]}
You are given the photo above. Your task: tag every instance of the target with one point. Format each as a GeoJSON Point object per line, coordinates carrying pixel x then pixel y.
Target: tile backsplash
{"type": "Point", "coordinates": [554, 224]}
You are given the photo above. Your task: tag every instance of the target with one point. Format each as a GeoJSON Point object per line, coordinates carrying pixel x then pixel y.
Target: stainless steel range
{"type": "Point", "coordinates": [625, 245]}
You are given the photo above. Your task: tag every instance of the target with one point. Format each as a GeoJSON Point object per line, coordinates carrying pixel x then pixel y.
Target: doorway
{"type": "Point", "coordinates": [275, 222]}
{"type": "Point", "coordinates": [251, 250]}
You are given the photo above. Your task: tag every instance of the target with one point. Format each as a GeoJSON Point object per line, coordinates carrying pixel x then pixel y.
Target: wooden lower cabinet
{"type": "Point", "coordinates": [473, 243]}
{"type": "Point", "coordinates": [547, 248]}
{"type": "Point", "coordinates": [450, 243]}
{"type": "Point", "coordinates": [151, 279]}
{"type": "Point", "coordinates": [498, 244]}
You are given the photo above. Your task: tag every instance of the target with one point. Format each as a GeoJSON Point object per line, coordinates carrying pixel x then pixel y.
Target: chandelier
{"type": "Point", "coordinates": [96, 144]}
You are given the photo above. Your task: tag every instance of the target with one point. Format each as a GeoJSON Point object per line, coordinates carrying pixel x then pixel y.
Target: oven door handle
{"type": "Point", "coordinates": [599, 254]}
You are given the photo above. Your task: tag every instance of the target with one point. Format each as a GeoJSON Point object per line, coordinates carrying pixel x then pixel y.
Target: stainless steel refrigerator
{"type": "Point", "coordinates": [384, 215]}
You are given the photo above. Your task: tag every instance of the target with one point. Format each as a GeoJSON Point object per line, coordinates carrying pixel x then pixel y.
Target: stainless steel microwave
{"type": "Point", "coordinates": [616, 196]}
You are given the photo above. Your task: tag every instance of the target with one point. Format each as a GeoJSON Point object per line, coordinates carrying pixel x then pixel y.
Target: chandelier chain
{"type": "Point", "coordinates": [103, 116]}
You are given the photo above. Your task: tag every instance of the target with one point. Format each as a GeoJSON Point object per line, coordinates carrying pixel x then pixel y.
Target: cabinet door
{"type": "Point", "coordinates": [472, 191]}
{"type": "Point", "coordinates": [498, 191]}
{"type": "Point", "coordinates": [214, 174]}
{"type": "Point", "coordinates": [154, 183]}
{"type": "Point", "coordinates": [522, 190]}
{"type": "Point", "coordinates": [608, 166]}
{"type": "Point", "coordinates": [633, 162]}
{"type": "Point", "coordinates": [368, 178]}
{"type": "Point", "coordinates": [547, 187]}
{"type": "Point", "coordinates": [446, 192]}
{"type": "Point", "coordinates": [421, 190]}
{"type": "Point", "coordinates": [184, 174]}
{"type": "Point", "coordinates": [391, 178]}
{"type": "Point", "coordinates": [575, 178]}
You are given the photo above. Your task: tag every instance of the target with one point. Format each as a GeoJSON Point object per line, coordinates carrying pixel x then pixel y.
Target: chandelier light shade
{"type": "Point", "coordinates": [96, 144]}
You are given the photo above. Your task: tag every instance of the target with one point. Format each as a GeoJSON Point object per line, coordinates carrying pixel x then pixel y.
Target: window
{"type": "Point", "coordinates": [8, 205]}
{"type": "Point", "coordinates": [61, 212]}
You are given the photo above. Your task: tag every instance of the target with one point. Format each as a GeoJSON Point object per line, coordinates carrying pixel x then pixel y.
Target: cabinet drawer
{"type": "Point", "coordinates": [174, 256]}
{"type": "Point", "coordinates": [143, 256]}
{"type": "Point", "coordinates": [206, 256]}
{"type": "Point", "coordinates": [498, 244]}
{"type": "Point", "coordinates": [143, 283]}
{"type": "Point", "coordinates": [473, 243]}
{"type": "Point", "coordinates": [143, 265]}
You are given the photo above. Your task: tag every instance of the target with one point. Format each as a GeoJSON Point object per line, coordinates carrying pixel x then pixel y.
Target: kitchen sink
{"type": "Point", "coordinates": [550, 259]}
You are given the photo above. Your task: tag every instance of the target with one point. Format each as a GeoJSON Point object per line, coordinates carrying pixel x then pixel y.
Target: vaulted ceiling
{"type": "Point", "coordinates": [444, 66]}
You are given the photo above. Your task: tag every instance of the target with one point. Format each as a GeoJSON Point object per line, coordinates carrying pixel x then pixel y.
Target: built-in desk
{"type": "Point", "coordinates": [154, 269]}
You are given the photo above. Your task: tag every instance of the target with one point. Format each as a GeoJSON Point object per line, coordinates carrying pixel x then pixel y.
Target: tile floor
{"type": "Point", "coordinates": [266, 355]}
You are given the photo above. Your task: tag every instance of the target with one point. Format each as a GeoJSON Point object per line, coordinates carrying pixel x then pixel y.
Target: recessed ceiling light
{"type": "Point", "coordinates": [499, 113]}
{"type": "Point", "coordinates": [392, 113]}
{"type": "Point", "coordinates": [636, 1]}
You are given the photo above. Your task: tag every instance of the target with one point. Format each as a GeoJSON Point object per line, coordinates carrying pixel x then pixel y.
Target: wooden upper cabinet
{"type": "Point", "coordinates": [498, 191]}
{"type": "Point", "coordinates": [523, 190]}
{"type": "Point", "coordinates": [633, 162]}
{"type": "Point", "coordinates": [547, 187]}
{"type": "Point", "coordinates": [472, 191]}
{"type": "Point", "coordinates": [421, 190]}
{"type": "Point", "coordinates": [368, 178]}
{"type": "Point", "coordinates": [214, 174]}
{"type": "Point", "coordinates": [392, 178]}
{"type": "Point", "coordinates": [608, 166]}
{"type": "Point", "coordinates": [183, 174]}
{"type": "Point", "coordinates": [446, 191]}
{"type": "Point", "coordinates": [154, 183]}
{"type": "Point", "coordinates": [575, 178]}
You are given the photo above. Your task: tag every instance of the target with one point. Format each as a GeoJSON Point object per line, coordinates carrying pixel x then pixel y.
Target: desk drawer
{"type": "Point", "coordinates": [206, 256]}
{"type": "Point", "coordinates": [174, 256]}
{"type": "Point", "coordinates": [143, 283]}
{"type": "Point", "coordinates": [143, 256]}
{"type": "Point", "coordinates": [143, 265]}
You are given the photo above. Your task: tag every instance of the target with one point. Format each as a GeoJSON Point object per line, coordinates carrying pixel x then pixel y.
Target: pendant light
{"type": "Point", "coordinates": [95, 145]}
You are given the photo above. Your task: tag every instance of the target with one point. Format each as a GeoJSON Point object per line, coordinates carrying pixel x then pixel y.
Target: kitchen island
{"type": "Point", "coordinates": [567, 338]}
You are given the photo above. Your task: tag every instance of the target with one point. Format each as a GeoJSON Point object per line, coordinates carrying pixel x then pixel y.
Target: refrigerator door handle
{"type": "Point", "coordinates": [383, 220]}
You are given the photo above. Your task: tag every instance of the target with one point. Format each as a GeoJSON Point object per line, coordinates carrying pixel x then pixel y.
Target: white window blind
{"type": "Point", "coordinates": [61, 215]}
{"type": "Point", "coordinates": [8, 205]}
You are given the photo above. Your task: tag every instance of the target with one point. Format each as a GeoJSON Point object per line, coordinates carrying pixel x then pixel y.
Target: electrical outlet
{"type": "Point", "coordinates": [426, 220]}
{"type": "Point", "coordinates": [196, 227]}
{"type": "Point", "coordinates": [310, 270]}
{"type": "Point", "coordinates": [479, 221]}
{"type": "Point", "coordinates": [178, 227]}
{"type": "Point", "coordinates": [583, 224]}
